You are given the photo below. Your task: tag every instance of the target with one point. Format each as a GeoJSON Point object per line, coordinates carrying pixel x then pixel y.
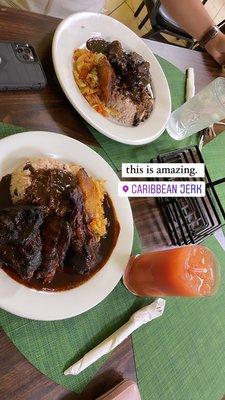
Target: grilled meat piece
{"type": "Point", "coordinates": [48, 190]}
{"type": "Point", "coordinates": [90, 253]}
{"type": "Point", "coordinates": [83, 261]}
{"type": "Point", "coordinates": [97, 45]}
{"type": "Point", "coordinates": [134, 59]}
{"type": "Point", "coordinates": [144, 108]}
{"type": "Point", "coordinates": [117, 57]}
{"type": "Point", "coordinates": [20, 241]}
{"type": "Point", "coordinates": [137, 76]}
{"type": "Point", "coordinates": [18, 223]}
{"type": "Point", "coordinates": [116, 52]}
{"type": "Point", "coordinates": [82, 253]}
{"type": "Point", "coordinates": [76, 218]}
{"type": "Point", "coordinates": [56, 235]}
{"type": "Point", "coordinates": [105, 75]}
{"type": "Point", "coordinates": [64, 242]}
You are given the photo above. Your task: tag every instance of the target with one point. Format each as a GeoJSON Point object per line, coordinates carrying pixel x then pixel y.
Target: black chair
{"type": "Point", "coordinates": [162, 22]}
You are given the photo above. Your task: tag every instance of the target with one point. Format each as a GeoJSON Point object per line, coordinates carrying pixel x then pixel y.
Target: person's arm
{"type": "Point", "coordinates": [192, 16]}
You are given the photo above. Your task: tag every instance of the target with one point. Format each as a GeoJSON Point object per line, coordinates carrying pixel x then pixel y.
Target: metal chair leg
{"type": "Point", "coordinates": [137, 12]}
{"type": "Point", "coordinates": [143, 22]}
{"type": "Point", "coordinates": [221, 25]}
{"type": "Point", "coordinates": [190, 45]}
{"type": "Point", "coordinates": [160, 38]}
{"type": "Point", "coordinates": [150, 34]}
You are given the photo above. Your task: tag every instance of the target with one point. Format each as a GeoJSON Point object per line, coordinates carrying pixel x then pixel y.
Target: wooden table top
{"type": "Point", "coordinates": [50, 110]}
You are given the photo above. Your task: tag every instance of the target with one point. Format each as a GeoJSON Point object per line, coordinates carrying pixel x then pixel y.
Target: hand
{"type": "Point", "coordinates": [216, 48]}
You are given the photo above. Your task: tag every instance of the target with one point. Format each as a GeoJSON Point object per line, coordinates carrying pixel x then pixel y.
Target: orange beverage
{"type": "Point", "coordinates": [183, 271]}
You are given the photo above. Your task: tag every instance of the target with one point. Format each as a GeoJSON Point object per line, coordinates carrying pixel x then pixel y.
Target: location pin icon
{"type": "Point", "coordinates": [125, 188]}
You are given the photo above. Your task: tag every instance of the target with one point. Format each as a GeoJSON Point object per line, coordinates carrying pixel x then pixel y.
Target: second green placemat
{"type": "Point", "coordinates": [183, 356]}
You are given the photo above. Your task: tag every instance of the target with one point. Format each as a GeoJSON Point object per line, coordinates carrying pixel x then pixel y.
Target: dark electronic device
{"type": "Point", "coordinates": [20, 68]}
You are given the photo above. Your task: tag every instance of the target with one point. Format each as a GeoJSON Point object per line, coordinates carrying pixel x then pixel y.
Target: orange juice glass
{"type": "Point", "coordinates": [191, 271]}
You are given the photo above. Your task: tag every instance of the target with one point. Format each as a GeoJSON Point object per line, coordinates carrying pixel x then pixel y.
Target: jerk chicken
{"type": "Point", "coordinates": [84, 245]}
{"type": "Point", "coordinates": [56, 236]}
{"type": "Point", "coordinates": [39, 239]}
{"type": "Point", "coordinates": [125, 81]}
{"type": "Point", "coordinates": [20, 239]}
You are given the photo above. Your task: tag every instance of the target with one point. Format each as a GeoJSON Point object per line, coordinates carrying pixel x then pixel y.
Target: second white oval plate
{"type": "Point", "coordinates": [73, 33]}
{"type": "Point", "coordinates": [30, 303]}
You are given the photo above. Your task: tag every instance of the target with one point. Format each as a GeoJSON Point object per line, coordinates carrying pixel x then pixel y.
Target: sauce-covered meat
{"type": "Point", "coordinates": [20, 239]}
{"type": "Point", "coordinates": [46, 251]}
{"type": "Point", "coordinates": [129, 83]}
{"type": "Point", "coordinates": [48, 190]}
{"type": "Point", "coordinates": [56, 235]}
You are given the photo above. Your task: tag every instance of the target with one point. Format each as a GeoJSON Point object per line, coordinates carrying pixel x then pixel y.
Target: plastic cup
{"type": "Point", "coordinates": [190, 271]}
{"type": "Point", "coordinates": [199, 112]}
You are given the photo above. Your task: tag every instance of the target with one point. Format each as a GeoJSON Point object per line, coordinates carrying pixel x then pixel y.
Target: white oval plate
{"type": "Point", "coordinates": [30, 303]}
{"type": "Point", "coordinates": [73, 33]}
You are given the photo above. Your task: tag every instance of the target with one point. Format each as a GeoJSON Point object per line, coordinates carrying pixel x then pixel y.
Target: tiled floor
{"type": "Point", "coordinates": [124, 12]}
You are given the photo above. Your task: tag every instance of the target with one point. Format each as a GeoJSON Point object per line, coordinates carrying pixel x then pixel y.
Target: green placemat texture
{"type": "Point", "coordinates": [121, 153]}
{"type": "Point", "coordinates": [181, 355]}
{"type": "Point", "coordinates": [53, 346]}
{"type": "Point", "coordinates": [214, 157]}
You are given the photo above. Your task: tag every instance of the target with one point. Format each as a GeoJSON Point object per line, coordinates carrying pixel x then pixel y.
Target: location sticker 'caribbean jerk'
{"type": "Point", "coordinates": [191, 271]}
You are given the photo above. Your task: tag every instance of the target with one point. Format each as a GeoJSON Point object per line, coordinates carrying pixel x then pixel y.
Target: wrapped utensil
{"type": "Point", "coordinates": [140, 317]}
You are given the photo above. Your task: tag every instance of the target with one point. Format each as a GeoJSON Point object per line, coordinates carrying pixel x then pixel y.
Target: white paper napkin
{"type": "Point", "coordinates": [140, 317]}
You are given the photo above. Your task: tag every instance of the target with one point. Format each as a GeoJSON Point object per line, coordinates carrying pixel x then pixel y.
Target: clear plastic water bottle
{"type": "Point", "coordinates": [199, 112]}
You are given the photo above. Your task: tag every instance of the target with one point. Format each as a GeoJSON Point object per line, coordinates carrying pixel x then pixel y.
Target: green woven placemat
{"type": "Point", "coordinates": [52, 346]}
{"type": "Point", "coordinates": [176, 356]}
{"type": "Point", "coordinates": [182, 357]}
{"type": "Point", "coordinates": [214, 156]}
{"type": "Point", "coordinates": [122, 153]}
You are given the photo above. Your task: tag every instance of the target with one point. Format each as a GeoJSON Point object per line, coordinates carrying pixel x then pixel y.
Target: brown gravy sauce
{"type": "Point", "coordinates": [67, 279]}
